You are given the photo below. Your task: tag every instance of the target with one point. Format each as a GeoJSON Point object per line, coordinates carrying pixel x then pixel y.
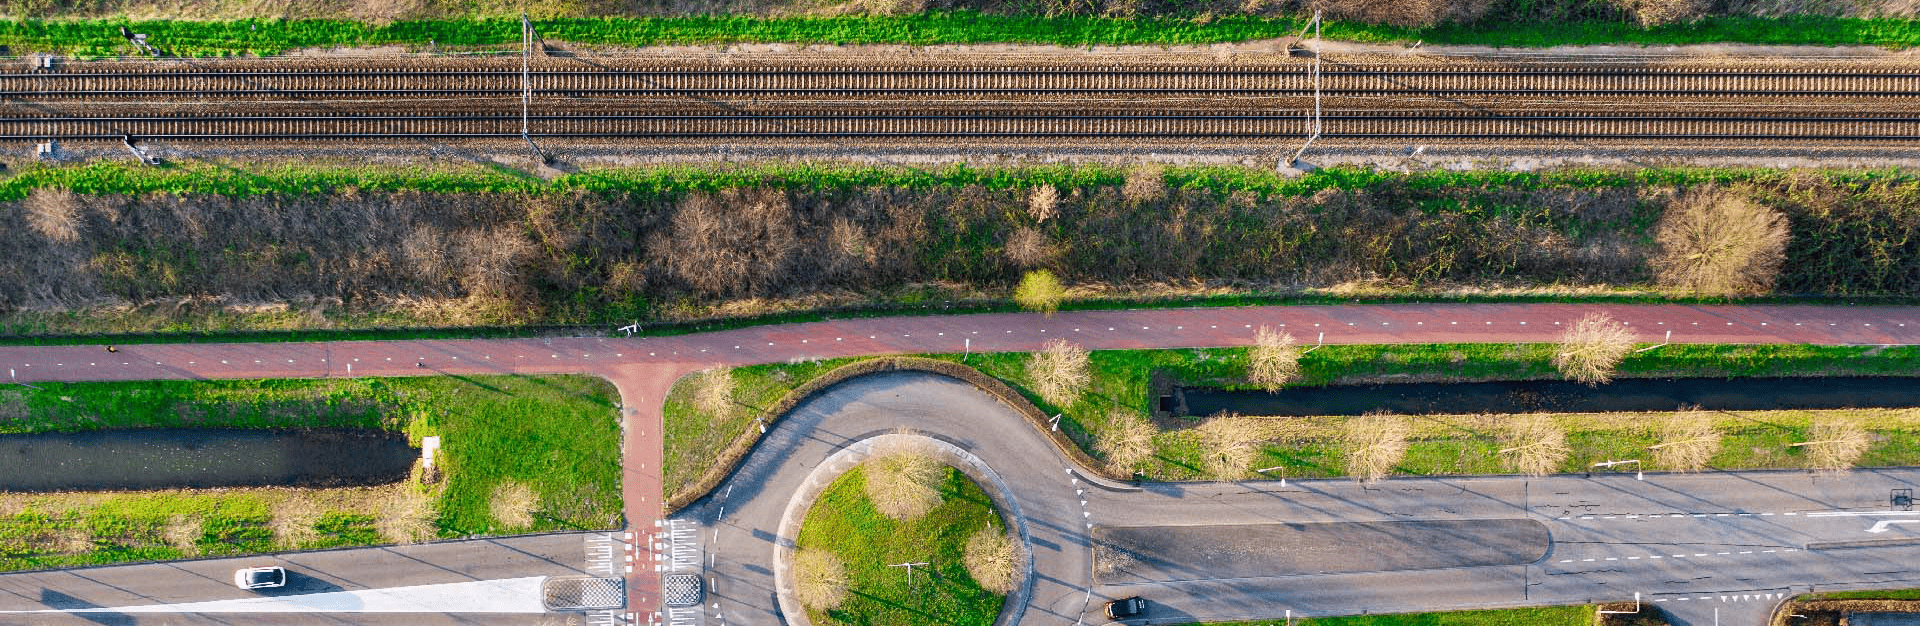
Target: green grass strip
{"type": "Point", "coordinates": [97, 38]}
{"type": "Point", "coordinates": [207, 178]}
{"type": "Point", "coordinates": [1532, 616]}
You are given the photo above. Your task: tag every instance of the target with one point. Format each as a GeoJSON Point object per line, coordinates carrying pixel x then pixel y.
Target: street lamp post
{"type": "Point", "coordinates": [909, 567]}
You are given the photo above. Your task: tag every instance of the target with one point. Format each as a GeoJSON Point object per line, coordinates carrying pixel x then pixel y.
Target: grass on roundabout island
{"type": "Point", "coordinates": [844, 522]}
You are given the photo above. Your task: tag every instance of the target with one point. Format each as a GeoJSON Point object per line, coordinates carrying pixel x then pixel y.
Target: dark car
{"type": "Point", "coordinates": [1127, 607]}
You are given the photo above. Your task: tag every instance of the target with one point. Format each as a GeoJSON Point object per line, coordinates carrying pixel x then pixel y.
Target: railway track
{"type": "Point", "coordinates": [987, 124]}
{"type": "Point", "coordinates": [1337, 79]}
{"type": "Point", "coordinates": [1597, 101]}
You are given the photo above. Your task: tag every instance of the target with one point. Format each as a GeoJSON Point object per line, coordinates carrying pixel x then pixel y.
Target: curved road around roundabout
{"type": "Point", "coordinates": [644, 369]}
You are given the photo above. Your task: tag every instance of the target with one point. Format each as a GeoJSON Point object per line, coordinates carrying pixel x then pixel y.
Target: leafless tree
{"type": "Point", "coordinates": [993, 559]}
{"type": "Point", "coordinates": [1374, 444]}
{"type": "Point", "coordinates": [904, 484]}
{"type": "Point", "coordinates": [1836, 443]}
{"type": "Point", "coordinates": [1028, 247]}
{"type": "Point", "coordinates": [819, 578]}
{"type": "Point", "coordinates": [1592, 348]}
{"type": "Point", "coordinates": [1717, 242]}
{"type": "Point", "coordinates": [1043, 202]}
{"type": "Point", "coordinates": [713, 393]}
{"type": "Point", "coordinates": [1536, 444]}
{"type": "Point", "coordinates": [1274, 359]}
{"type": "Point", "coordinates": [1060, 372]}
{"type": "Point", "coordinates": [1126, 440]}
{"type": "Point", "coordinates": [1688, 440]}
{"type": "Point", "coordinates": [1229, 444]}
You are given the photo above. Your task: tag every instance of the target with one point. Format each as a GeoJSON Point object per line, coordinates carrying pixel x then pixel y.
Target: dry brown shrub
{"type": "Point", "coordinates": [54, 212]}
{"type": "Point", "coordinates": [183, 532]}
{"type": "Point", "coordinates": [848, 248]}
{"type": "Point", "coordinates": [992, 557]}
{"type": "Point", "coordinates": [1060, 372]}
{"type": "Point", "coordinates": [513, 504]}
{"type": "Point", "coordinates": [904, 484]}
{"type": "Point", "coordinates": [1041, 291]}
{"type": "Point", "coordinates": [1126, 440]}
{"type": "Point", "coordinates": [1404, 13]}
{"type": "Point", "coordinates": [1718, 242]}
{"type": "Point", "coordinates": [1027, 247]}
{"type": "Point", "coordinates": [1229, 443]}
{"type": "Point", "coordinates": [1688, 440]}
{"type": "Point", "coordinates": [1374, 444]}
{"type": "Point", "coordinates": [713, 393]}
{"type": "Point", "coordinates": [1591, 349]}
{"type": "Point", "coordinates": [1657, 12]}
{"type": "Point", "coordinates": [1836, 443]}
{"type": "Point", "coordinates": [819, 578]}
{"type": "Point", "coordinates": [1536, 444]}
{"type": "Point", "coordinates": [740, 241]}
{"type": "Point", "coordinates": [1274, 359]}
{"type": "Point", "coordinates": [1145, 183]}
{"type": "Point", "coordinates": [406, 515]}
{"type": "Point", "coordinates": [1043, 203]}
{"type": "Point", "coordinates": [293, 519]}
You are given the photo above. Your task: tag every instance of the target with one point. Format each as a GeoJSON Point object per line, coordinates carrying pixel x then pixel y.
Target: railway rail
{"type": "Point", "coordinates": [589, 98]}
{"type": "Point", "coordinates": [1339, 79]}
{"type": "Point", "coordinates": [987, 124]}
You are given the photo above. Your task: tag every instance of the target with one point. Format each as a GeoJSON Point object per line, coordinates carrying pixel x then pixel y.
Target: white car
{"type": "Point", "coordinates": [260, 577]}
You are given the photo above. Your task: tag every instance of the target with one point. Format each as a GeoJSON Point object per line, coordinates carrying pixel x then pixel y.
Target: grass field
{"type": "Point", "coordinates": [845, 523]}
{"type": "Point", "coordinates": [1543, 616]}
{"type": "Point", "coordinates": [557, 435]}
{"type": "Point", "coordinates": [1441, 444]}
{"type": "Point", "coordinates": [95, 38]}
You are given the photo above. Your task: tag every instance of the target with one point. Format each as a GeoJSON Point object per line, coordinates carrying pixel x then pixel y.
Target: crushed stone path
{"type": "Point", "coordinates": [644, 368]}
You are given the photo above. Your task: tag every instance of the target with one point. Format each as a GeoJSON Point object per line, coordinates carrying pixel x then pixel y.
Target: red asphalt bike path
{"type": "Point", "coordinates": [643, 369]}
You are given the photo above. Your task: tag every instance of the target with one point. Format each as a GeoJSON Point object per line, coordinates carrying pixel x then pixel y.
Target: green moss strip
{"type": "Point", "coordinates": [266, 37]}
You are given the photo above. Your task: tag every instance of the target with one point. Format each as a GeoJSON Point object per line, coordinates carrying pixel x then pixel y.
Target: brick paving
{"type": "Point", "coordinates": [644, 368]}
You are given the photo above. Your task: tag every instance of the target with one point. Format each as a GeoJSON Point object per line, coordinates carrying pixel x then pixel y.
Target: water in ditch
{"type": "Point", "coordinates": [200, 458]}
{"type": "Point", "coordinates": [1552, 396]}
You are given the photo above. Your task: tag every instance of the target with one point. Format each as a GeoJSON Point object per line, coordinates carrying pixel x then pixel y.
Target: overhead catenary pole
{"type": "Point", "coordinates": [1315, 128]}
{"type": "Point", "coordinates": [526, 86]}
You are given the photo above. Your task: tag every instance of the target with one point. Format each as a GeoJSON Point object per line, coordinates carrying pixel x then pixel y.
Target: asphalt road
{"type": "Point", "coordinates": [137, 589]}
{"type": "Point", "coordinates": [1731, 543]}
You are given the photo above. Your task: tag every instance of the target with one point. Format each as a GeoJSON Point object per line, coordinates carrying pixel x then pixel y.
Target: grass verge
{"type": "Point", "coordinates": [558, 435]}
{"type": "Point", "coordinates": [95, 38]}
{"type": "Point", "coordinates": [844, 522]}
{"type": "Point", "coordinates": [1124, 380]}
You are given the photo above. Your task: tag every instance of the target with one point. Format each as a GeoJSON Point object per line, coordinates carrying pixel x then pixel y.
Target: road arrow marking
{"type": "Point", "coordinates": [1881, 526]}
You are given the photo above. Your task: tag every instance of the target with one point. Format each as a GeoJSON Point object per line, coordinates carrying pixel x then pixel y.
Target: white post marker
{"type": "Point", "coordinates": [1638, 474]}
{"type": "Point", "coordinates": [1317, 343]}
{"type": "Point", "coordinates": [1663, 342]}
{"type": "Point", "coordinates": [1636, 606]}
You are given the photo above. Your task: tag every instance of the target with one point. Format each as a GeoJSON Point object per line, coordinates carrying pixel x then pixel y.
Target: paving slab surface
{"type": "Point", "coordinates": [1166, 553]}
